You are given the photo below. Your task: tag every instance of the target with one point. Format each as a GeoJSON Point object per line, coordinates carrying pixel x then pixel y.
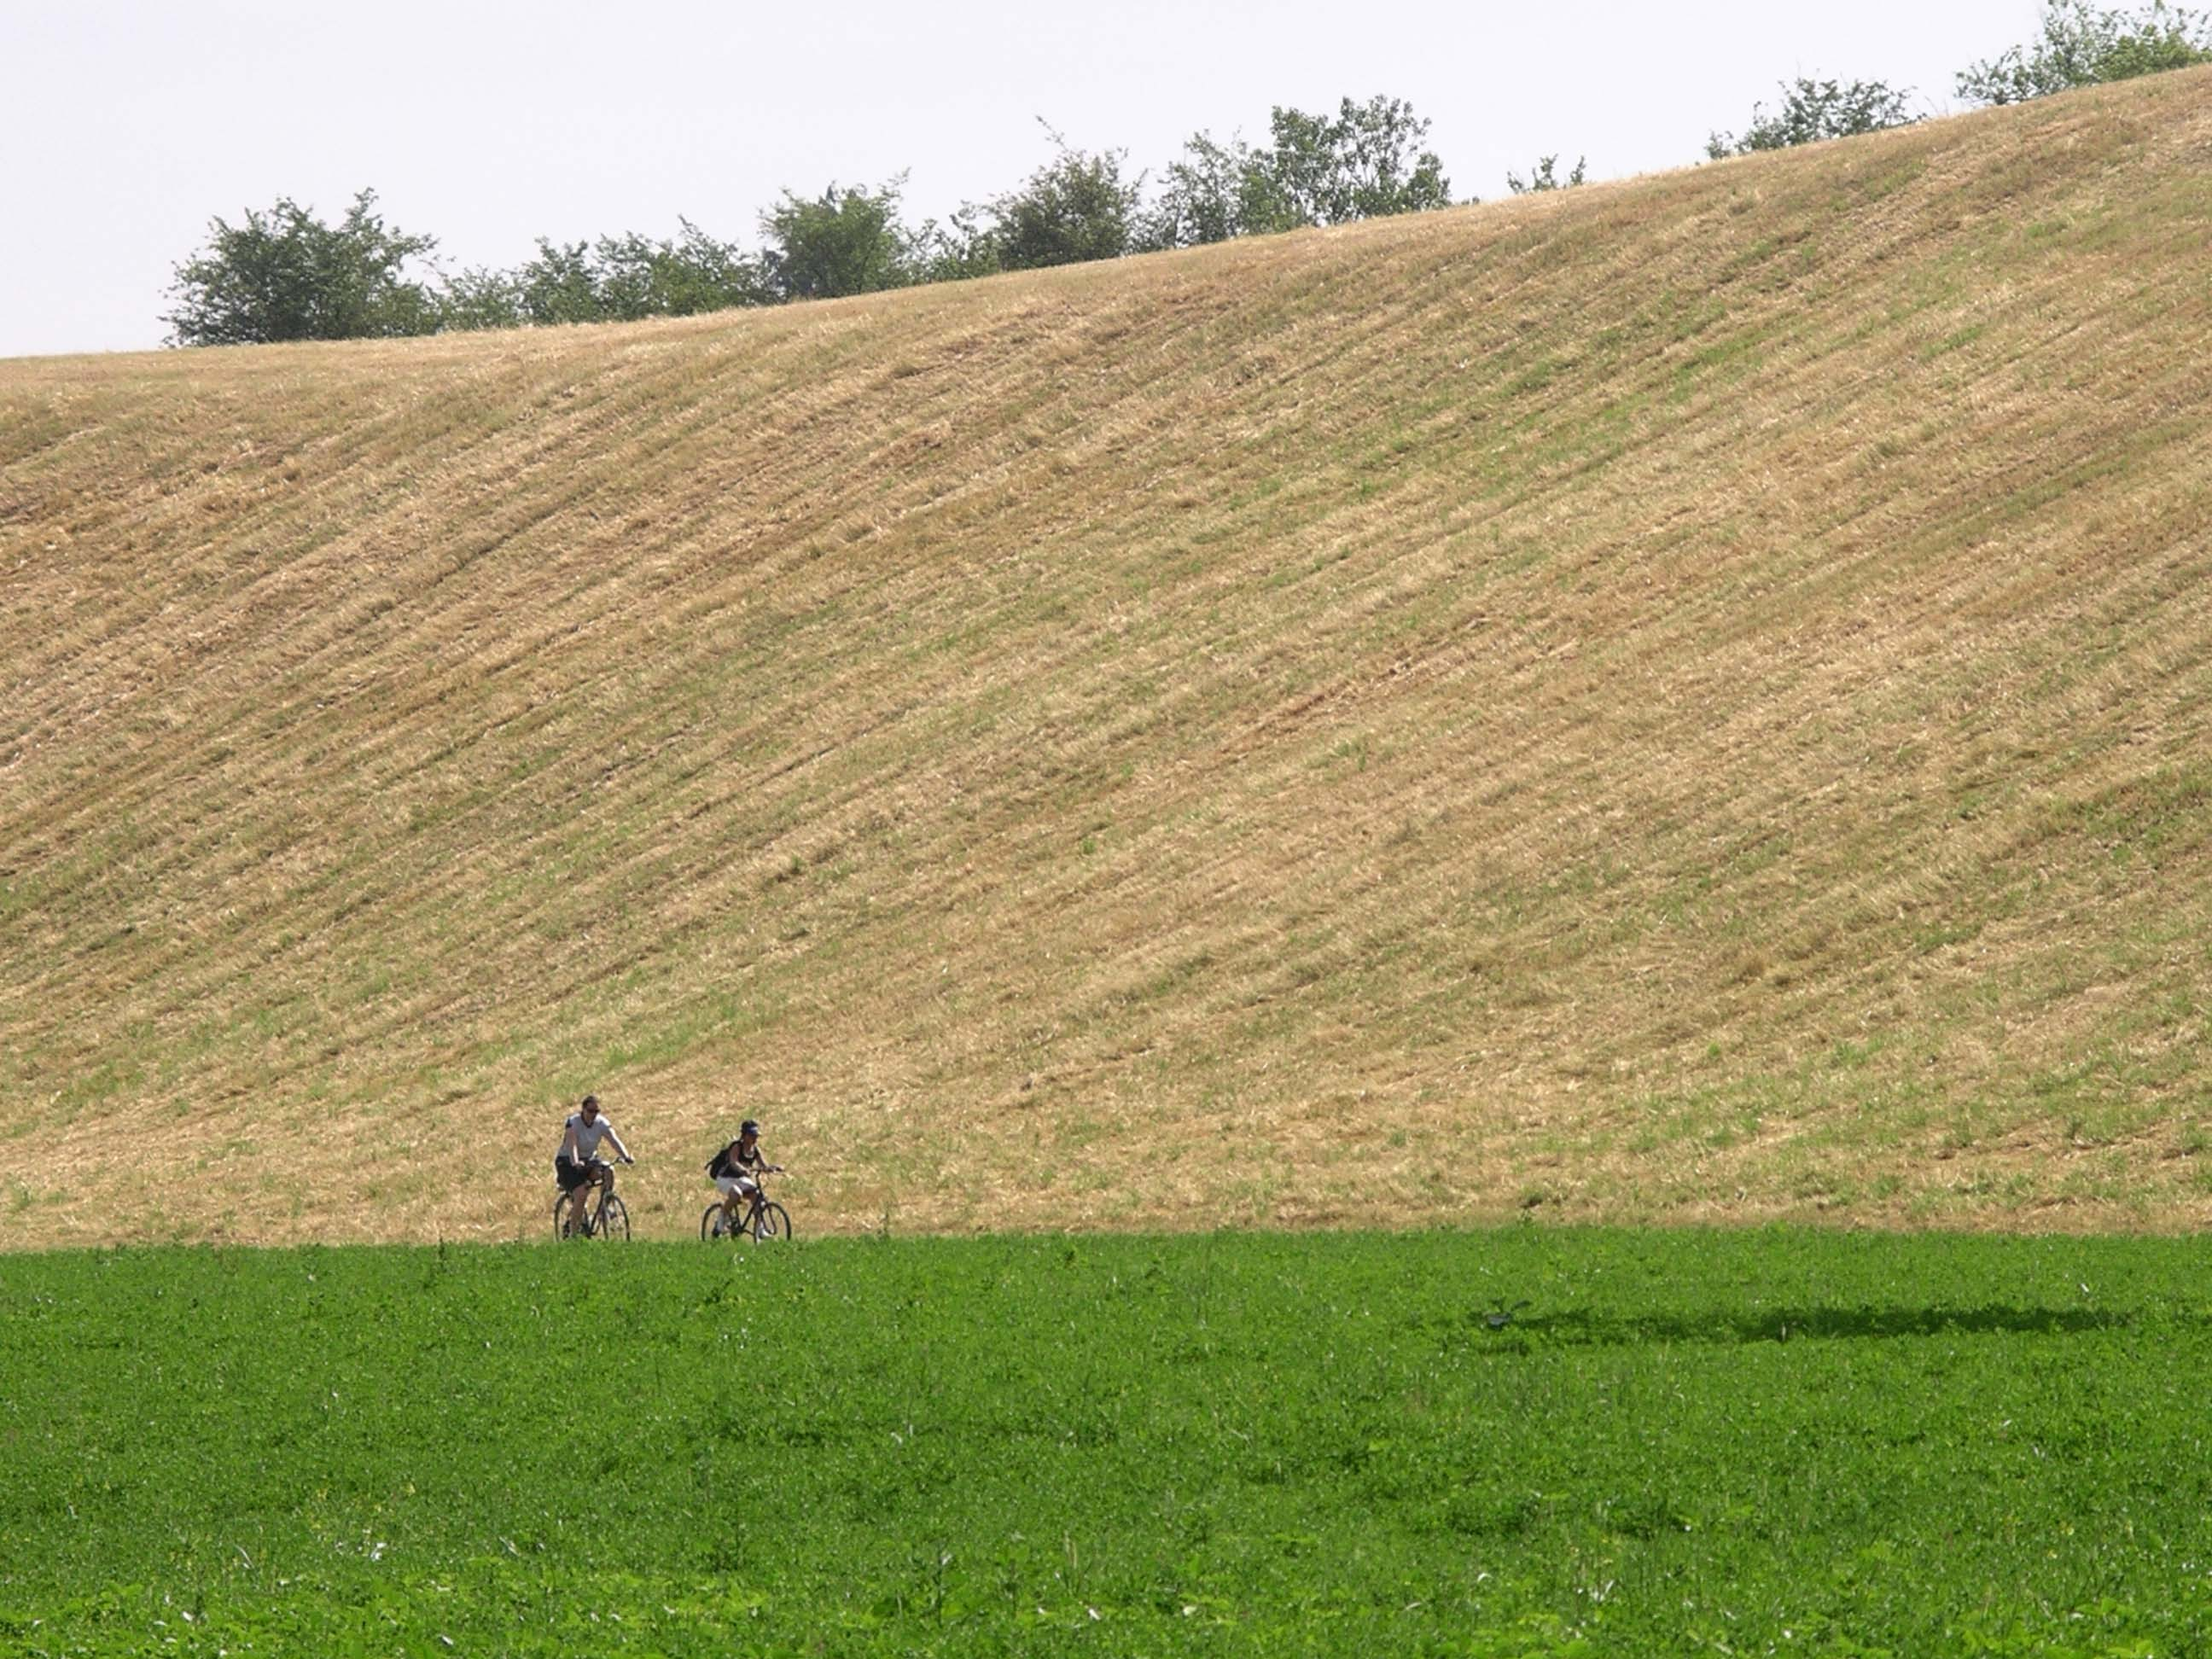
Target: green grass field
{"type": "Point", "coordinates": [1751, 1442]}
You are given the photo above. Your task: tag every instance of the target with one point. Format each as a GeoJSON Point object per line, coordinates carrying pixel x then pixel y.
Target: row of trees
{"type": "Point", "coordinates": [284, 274]}
{"type": "Point", "coordinates": [2079, 43]}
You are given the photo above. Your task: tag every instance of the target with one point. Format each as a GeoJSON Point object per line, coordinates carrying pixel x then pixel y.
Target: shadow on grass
{"type": "Point", "coordinates": [1813, 1324]}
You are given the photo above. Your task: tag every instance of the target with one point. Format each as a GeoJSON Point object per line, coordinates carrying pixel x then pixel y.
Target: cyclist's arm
{"type": "Point", "coordinates": [568, 1143]}
{"type": "Point", "coordinates": [620, 1149]}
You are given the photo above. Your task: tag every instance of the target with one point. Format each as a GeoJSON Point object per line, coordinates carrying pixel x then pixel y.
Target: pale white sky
{"type": "Point", "coordinates": [125, 125]}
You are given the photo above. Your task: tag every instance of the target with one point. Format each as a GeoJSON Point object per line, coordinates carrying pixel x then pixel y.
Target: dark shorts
{"type": "Point", "coordinates": [570, 1174]}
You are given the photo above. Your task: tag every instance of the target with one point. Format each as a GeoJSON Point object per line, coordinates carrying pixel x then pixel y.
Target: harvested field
{"type": "Point", "coordinates": [1683, 699]}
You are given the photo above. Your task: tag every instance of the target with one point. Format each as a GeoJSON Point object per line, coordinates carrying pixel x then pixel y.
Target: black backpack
{"type": "Point", "coordinates": [717, 1166]}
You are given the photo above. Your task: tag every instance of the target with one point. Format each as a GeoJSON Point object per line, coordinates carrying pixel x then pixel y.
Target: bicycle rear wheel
{"type": "Point", "coordinates": [712, 1229]}
{"type": "Point", "coordinates": [613, 1219]}
{"type": "Point", "coordinates": [560, 1216]}
{"type": "Point", "coordinates": [771, 1221]}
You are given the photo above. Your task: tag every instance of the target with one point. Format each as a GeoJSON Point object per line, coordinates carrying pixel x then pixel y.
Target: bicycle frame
{"type": "Point", "coordinates": [581, 1201]}
{"type": "Point", "coordinates": [746, 1218]}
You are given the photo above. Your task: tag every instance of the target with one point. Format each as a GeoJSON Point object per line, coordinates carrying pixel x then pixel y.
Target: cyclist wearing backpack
{"type": "Point", "coordinates": [736, 1170]}
{"type": "Point", "coordinates": [578, 1166]}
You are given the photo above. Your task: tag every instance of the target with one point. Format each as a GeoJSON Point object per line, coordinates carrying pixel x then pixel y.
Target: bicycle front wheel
{"type": "Point", "coordinates": [613, 1220]}
{"type": "Point", "coordinates": [772, 1221]}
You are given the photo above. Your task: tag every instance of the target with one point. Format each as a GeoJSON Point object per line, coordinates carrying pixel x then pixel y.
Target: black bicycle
{"type": "Point", "coordinates": [574, 1216]}
{"type": "Point", "coordinates": [762, 1221]}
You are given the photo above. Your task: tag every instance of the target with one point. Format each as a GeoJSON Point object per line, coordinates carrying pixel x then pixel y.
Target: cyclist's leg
{"type": "Point", "coordinates": [565, 1176]}
{"type": "Point", "coordinates": [596, 1192]}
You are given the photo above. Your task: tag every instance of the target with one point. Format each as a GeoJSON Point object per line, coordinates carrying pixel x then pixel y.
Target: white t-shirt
{"type": "Point", "coordinates": [588, 1135]}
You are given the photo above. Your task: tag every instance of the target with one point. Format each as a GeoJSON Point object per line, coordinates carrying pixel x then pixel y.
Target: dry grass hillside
{"type": "Point", "coordinates": [1685, 698]}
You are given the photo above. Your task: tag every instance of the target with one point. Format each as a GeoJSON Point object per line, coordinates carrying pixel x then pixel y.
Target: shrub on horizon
{"type": "Point", "coordinates": [1075, 208]}
{"type": "Point", "coordinates": [2083, 45]}
{"type": "Point", "coordinates": [285, 275]}
{"type": "Point", "coordinates": [1814, 110]}
{"type": "Point", "coordinates": [1364, 162]}
{"type": "Point", "coordinates": [1545, 176]}
{"type": "Point", "coordinates": [842, 241]}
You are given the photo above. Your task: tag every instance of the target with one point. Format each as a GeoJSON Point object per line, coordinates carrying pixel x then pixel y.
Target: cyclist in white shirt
{"type": "Point", "coordinates": [578, 1166]}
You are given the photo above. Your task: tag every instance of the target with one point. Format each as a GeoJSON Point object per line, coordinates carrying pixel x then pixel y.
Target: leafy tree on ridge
{"type": "Point", "coordinates": [1076, 207]}
{"type": "Point", "coordinates": [1210, 195]}
{"type": "Point", "coordinates": [285, 275]}
{"type": "Point", "coordinates": [1813, 110]}
{"type": "Point", "coordinates": [2081, 45]}
{"type": "Point", "coordinates": [842, 241]}
{"type": "Point", "coordinates": [1363, 163]}
{"type": "Point", "coordinates": [1360, 164]}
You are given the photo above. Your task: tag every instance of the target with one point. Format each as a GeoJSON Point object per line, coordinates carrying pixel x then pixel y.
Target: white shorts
{"type": "Point", "coordinates": [733, 1186]}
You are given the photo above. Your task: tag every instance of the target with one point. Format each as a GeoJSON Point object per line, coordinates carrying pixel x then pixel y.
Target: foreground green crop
{"type": "Point", "coordinates": [1744, 1443]}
